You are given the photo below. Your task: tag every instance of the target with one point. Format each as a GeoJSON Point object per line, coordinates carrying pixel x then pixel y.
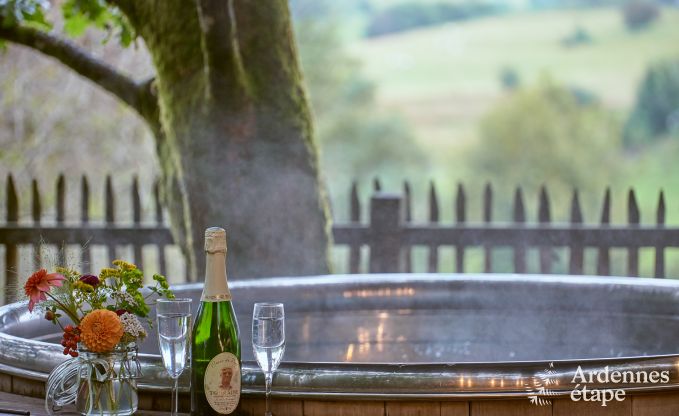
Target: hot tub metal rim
{"type": "Point", "coordinates": [392, 278]}
{"type": "Point", "coordinates": [397, 380]}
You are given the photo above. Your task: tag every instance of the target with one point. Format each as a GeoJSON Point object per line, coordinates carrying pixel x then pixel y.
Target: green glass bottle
{"type": "Point", "coordinates": [216, 353]}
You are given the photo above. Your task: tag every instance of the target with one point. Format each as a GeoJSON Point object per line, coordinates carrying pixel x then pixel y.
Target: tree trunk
{"type": "Point", "coordinates": [232, 125]}
{"type": "Point", "coordinates": [238, 140]}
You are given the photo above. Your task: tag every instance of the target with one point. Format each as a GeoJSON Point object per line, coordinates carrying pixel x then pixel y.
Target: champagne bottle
{"type": "Point", "coordinates": [216, 355]}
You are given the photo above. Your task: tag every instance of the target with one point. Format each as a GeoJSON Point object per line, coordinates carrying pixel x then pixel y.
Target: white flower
{"type": "Point", "coordinates": [132, 326]}
{"type": "Point", "coordinates": [124, 297]}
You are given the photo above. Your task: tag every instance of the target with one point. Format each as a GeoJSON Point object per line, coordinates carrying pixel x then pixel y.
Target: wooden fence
{"type": "Point", "coordinates": [390, 232]}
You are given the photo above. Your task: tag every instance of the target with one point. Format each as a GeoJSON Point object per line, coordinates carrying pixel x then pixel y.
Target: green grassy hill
{"type": "Point", "coordinates": [443, 79]}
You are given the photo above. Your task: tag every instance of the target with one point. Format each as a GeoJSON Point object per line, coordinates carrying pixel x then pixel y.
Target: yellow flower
{"type": "Point", "coordinates": [80, 285]}
{"type": "Point", "coordinates": [101, 330]}
{"type": "Point", "coordinates": [66, 271]}
{"type": "Point", "coordinates": [123, 265]}
{"type": "Point", "coordinates": [108, 272]}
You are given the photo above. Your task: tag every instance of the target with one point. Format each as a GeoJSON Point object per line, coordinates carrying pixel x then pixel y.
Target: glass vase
{"type": "Point", "coordinates": [107, 381]}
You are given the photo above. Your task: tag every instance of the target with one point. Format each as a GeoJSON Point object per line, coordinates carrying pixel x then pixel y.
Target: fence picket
{"type": "Point", "coordinates": [355, 217]}
{"type": "Point", "coordinates": [60, 208]}
{"type": "Point", "coordinates": [433, 259]}
{"type": "Point", "coordinates": [660, 249]}
{"type": "Point", "coordinates": [390, 232]}
{"type": "Point", "coordinates": [487, 218]}
{"type": "Point", "coordinates": [109, 206]}
{"type": "Point", "coordinates": [519, 219]}
{"type": "Point", "coordinates": [633, 218]}
{"type": "Point", "coordinates": [575, 264]}
{"type": "Point", "coordinates": [162, 265]}
{"type": "Point", "coordinates": [603, 266]}
{"type": "Point", "coordinates": [544, 217]}
{"type": "Point", "coordinates": [137, 254]}
{"type": "Point", "coordinates": [61, 199]}
{"type": "Point", "coordinates": [11, 250]}
{"type": "Point", "coordinates": [36, 215]}
{"type": "Point", "coordinates": [460, 218]}
{"type": "Point", "coordinates": [377, 186]}
{"type": "Point", "coordinates": [407, 199]}
{"type": "Point", "coordinates": [85, 251]}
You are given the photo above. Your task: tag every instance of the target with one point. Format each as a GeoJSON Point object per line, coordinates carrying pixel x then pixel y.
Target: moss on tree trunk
{"type": "Point", "coordinates": [237, 148]}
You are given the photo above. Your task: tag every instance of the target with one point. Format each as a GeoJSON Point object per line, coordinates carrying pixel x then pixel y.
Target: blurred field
{"type": "Point", "coordinates": [444, 79]}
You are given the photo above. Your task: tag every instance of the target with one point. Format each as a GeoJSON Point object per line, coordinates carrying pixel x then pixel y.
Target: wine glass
{"type": "Point", "coordinates": [268, 341]}
{"type": "Point", "coordinates": [174, 339]}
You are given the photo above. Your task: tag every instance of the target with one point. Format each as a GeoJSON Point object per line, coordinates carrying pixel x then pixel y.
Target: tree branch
{"type": "Point", "coordinates": [139, 96]}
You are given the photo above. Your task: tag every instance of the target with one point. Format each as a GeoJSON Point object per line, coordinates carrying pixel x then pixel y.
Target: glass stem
{"type": "Point", "coordinates": [175, 397]}
{"type": "Point", "coordinates": [267, 383]}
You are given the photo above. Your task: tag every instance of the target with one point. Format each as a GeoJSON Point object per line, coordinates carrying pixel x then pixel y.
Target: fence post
{"type": "Point", "coordinates": [385, 233]}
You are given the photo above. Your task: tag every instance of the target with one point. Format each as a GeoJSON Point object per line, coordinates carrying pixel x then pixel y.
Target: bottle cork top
{"type": "Point", "coordinates": [215, 240]}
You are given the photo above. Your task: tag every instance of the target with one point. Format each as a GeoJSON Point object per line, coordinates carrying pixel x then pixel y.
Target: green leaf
{"type": "Point", "coordinates": [125, 36]}
{"type": "Point", "coordinates": [26, 12]}
{"type": "Point", "coordinates": [79, 14]}
{"type": "Point", "coordinates": [76, 25]}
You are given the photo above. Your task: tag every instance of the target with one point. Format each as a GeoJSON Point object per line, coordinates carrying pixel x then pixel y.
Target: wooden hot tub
{"type": "Point", "coordinates": [426, 344]}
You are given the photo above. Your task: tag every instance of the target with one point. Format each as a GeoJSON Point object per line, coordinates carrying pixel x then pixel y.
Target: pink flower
{"type": "Point", "coordinates": [40, 283]}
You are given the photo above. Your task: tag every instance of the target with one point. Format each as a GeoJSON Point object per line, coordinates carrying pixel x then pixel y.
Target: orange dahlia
{"type": "Point", "coordinates": [101, 330]}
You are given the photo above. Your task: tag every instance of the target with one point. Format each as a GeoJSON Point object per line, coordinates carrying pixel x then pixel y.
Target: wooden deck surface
{"type": "Point", "coordinates": [13, 404]}
{"type": "Point", "coordinates": [639, 405]}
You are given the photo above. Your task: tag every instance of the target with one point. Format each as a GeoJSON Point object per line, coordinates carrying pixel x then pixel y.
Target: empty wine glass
{"type": "Point", "coordinates": [268, 341]}
{"type": "Point", "coordinates": [174, 339]}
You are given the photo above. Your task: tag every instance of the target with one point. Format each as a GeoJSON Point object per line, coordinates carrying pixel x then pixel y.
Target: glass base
{"type": "Point", "coordinates": [109, 398]}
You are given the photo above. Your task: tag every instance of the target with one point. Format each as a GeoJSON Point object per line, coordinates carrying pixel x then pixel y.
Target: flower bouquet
{"type": "Point", "coordinates": [100, 319]}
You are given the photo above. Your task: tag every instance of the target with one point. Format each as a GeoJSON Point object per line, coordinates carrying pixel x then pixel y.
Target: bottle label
{"type": "Point", "coordinates": [222, 383]}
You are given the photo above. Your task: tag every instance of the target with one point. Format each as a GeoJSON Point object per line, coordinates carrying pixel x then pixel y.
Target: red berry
{"type": "Point", "coordinates": [74, 354]}
{"type": "Point", "coordinates": [66, 351]}
{"type": "Point", "coordinates": [68, 328]}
